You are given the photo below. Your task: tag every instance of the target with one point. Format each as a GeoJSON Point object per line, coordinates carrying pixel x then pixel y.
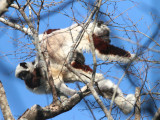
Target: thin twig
{"type": "Point", "coordinates": [114, 94]}
{"type": "Point", "coordinates": [81, 33]}
{"type": "Point", "coordinates": [87, 105]}
{"type": "Point", "coordinates": [93, 91]}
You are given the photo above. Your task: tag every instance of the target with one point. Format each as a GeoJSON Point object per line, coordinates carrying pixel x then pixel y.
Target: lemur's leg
{"type": "Point", "coordinates": [62, 87]}
{"type": "Point", "coordinates": [107, 88]}
{"type": "Point", "coordinates": [58, 78]}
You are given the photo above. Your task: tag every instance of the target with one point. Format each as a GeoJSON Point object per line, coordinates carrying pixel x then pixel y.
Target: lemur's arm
{"type": "Point", "coordinates": [106, 51]}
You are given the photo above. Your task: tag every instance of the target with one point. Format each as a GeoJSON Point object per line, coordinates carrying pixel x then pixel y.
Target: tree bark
{"type": "Point", "coordinates": [4, 104]}
{"type": "Point", "coordinates": [138, 104]}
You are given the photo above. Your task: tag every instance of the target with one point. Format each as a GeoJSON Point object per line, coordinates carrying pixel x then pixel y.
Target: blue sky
{"type": "Point", "coordinates": [20, 98]}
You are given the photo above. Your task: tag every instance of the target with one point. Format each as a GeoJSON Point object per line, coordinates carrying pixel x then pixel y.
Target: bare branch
{"type": "Point", "coordinates": [128, 40]}
{"type": "Point", "coordinates": [93, 91]}
{"type": "Point", "coordinates": [88, 105]}
{"type": "Point", "coordinates": [4, 104]}
{"type": "Point", "coordinates": [81, 33]}
{"type": "Point", "coordinates": [38, 113]}
{"type": "Point", "coordinates": [114, 94]}
{"type": "Point", "coordinates": [138, 104]}
{"type": "Point", "coordinates": [145, 36]}
{"type": "Point", "coordinates": [35, 41]}
{"type": "Point", "coordinates": [150, 93]}
{"type": "Point", "coordinates": [16, 26]}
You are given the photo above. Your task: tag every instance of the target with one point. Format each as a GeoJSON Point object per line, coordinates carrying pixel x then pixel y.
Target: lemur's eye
{"type": "Point", "coordinates": [22, 75]}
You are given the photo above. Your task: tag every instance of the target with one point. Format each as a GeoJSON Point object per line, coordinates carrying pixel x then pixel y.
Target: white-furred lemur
{"type": "Point", "coordinates": [56, 44]}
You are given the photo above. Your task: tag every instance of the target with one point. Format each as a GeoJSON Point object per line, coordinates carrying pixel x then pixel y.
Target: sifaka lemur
{"type": "Point", "coordinates": [56, 45]}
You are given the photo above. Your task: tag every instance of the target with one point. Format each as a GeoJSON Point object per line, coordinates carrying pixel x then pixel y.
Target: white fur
{"type": "Point", "coordinates": [40, 37]}
{"type": "Point", "coordinates": [126, 104]}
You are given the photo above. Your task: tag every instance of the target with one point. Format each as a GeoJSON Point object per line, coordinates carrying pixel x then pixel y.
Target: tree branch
{"type": "Point", "coordinates": [38, 113]}
{"type": "Point", "coordinates": [35, 41]}
{"type": "Point", "coordinates": [138, 104]}
{"type": "Point", "coordinates": [16, 26]}
{"type": "Point", "coordinates": [4, 104]}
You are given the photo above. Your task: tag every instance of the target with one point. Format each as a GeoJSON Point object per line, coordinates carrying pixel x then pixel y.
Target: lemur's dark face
{"type": "Point", "coordinates": [25, 75]}
{"type": "Point", "coordinates": [29, 74]}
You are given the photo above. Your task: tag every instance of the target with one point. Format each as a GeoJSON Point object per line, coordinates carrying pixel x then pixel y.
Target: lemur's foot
{"type": "Point", "coordinates": [128, 104]}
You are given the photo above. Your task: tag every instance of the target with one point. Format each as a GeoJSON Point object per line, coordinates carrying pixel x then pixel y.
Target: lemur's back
{"type": "Point", "coordinates": [58, 44]}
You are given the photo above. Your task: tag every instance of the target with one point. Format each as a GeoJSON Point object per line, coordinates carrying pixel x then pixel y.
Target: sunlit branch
{"type": "Point", "coordinates": [16, 26]}
{"type": "Point", "coordinates": [37, 112]}
{"type": "Point", "coordinates": [4, 104]}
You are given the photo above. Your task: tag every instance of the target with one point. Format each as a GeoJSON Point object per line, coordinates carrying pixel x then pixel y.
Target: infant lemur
{"type": "Point", "coordinates": [56, 44]}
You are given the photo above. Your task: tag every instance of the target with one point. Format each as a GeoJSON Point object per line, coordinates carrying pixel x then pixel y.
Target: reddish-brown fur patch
{"type": "Point", "coordinates": [83, 67]}
{"type": "Point", "coordinates": [105, 48]}
{"type": "Point", "coordinates": [50, 31]}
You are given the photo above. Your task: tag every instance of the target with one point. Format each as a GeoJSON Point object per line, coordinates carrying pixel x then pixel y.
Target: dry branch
{"type": "Point", "coordinates": [38, 113]}
{"type": "Point", "coordinates": [16, 26]}
{"type": "Point", "coordinates": [4, 104]}
{"type": "Point", "coordinates": [138, 104]}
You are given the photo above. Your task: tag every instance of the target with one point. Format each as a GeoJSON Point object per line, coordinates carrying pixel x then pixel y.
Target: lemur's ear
{"type": "Point", "coordinates": [24, 65]}
{"type": "Point", "coordinates": [99, 23]}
